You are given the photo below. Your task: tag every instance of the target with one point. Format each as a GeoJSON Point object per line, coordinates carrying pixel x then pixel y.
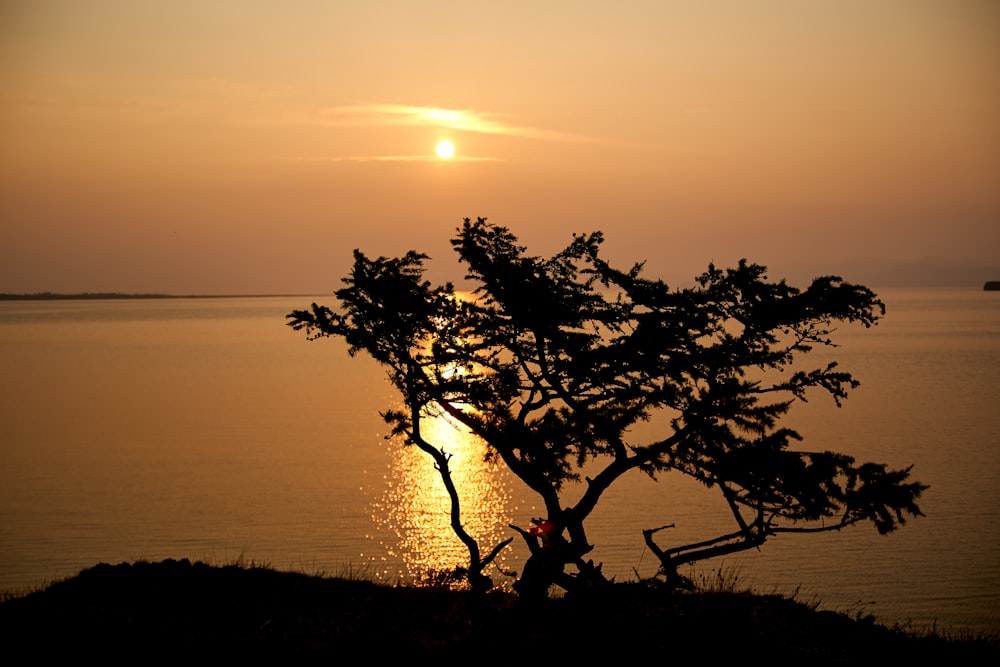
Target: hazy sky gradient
{"type": "Point", "coordinates": [247, 146]}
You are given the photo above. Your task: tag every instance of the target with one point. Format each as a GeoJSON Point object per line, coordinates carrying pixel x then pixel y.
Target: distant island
{"type": "Point", "coordinates": [53, 296]}
{"type": "Point", "coordinates": [42, 296]}
{"type": "Point", "coordinates": [992, 286]}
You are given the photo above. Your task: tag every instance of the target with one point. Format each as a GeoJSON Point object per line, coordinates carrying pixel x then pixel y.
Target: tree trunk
{"type": "Point", "coordinates": [546, 566]}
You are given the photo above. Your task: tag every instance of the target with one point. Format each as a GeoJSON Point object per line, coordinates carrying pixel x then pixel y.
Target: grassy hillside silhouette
{"type": "Point", "coordinates": [178, 608]}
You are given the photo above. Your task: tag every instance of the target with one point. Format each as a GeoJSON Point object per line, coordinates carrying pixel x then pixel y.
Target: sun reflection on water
{"type": "Point", "coordinates": [413, 510]}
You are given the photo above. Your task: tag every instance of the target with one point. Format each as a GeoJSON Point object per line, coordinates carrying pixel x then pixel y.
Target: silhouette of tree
{"type": "Point", "coordinates": [554, 360]}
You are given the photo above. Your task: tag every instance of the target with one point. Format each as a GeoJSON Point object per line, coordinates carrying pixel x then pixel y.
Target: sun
{"type": "Point", "coordinates": [445, 149]}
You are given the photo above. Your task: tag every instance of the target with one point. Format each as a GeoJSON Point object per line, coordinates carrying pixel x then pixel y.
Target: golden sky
{"type": "Point", "coordinates": [247, 146]}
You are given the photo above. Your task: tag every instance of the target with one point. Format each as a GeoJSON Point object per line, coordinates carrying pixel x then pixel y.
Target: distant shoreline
{"type": "Point", "coordinates": [990, 285]}
{"type": "Point", "coordinates": [53, 296]}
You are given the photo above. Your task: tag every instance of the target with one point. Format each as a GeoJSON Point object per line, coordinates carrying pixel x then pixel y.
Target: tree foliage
{"type": "Point", "coordinates": [555, 360]}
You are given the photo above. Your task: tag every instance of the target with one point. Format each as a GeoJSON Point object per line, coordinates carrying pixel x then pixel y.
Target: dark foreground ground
{"type": "Point", "coordinates": [176, 610]}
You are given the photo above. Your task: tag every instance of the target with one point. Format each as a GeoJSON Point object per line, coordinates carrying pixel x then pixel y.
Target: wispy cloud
{"type": "Point", "coordinates": [454, 119]}
{"type": "Point", "coordinates": [402, 115]}
{"type": "Point", "coordinates": [231, 102]}
{"type": "Point", "coordinates": [392, 158]}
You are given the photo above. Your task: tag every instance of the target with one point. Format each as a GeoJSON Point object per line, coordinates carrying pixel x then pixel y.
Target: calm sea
{"type": "Point", "coordinates": [207, 429]}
